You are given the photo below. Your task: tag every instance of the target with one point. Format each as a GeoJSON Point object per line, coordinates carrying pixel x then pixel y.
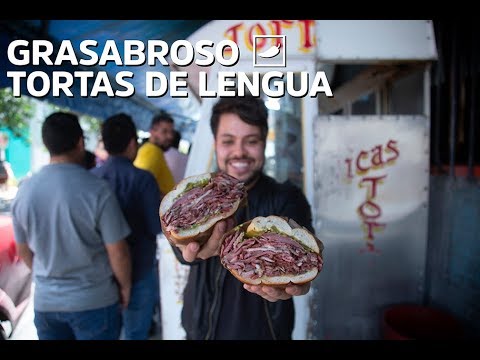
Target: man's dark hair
{"type": "Point", "coordinates": [90, 160]}
{"type": "Point", "coordinates": [61, 132]}
{"type": "Point", "coordinates": [161, 117]}
{"type": "Point", "coordinates": [250, 109]}
{"type": "Point", "coordinates": [117, 132]}
{"type": "Point", "coordinates": [176, 139]}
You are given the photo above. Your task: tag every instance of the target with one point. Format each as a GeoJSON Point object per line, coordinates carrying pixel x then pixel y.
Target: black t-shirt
{"type": "Point", "coordinates": [234, 312]}
{"type": "Point", "coordinates": [241, 307]}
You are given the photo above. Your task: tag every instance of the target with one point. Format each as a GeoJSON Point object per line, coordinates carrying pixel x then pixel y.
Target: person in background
{"type": "Point", "coordinates": [70, 230]}
{"type": "Point", "coordinates": [151, 154]}
{"type": "Point", "coordinates": [176, 160]}
{"type": "Point", "coordinates": [139, 199]}
{"type": "Point", "coordinates": [90, 160]}
{"type": "Point", "coordinates": [3, 172]}
{"type": "Point", "coordinates": [216, 305]}
{"type": "Point", "coordinates": [6, 174]}
{"type": "Point", "coordinates": [101, 154]}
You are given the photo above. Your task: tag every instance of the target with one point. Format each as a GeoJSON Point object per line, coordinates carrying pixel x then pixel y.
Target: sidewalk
{"type": "Point", "coordinates": [25, 329]}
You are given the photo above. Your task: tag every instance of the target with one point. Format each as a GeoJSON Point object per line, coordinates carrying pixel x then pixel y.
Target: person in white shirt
{"type": "Point", "coordinates": [176, 160]}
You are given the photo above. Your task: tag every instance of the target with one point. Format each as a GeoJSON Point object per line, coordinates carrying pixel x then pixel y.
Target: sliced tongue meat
{"type": "Point", "coordinates": [269, 254]}
{"type": "Point", "coordinates": [197, 205]}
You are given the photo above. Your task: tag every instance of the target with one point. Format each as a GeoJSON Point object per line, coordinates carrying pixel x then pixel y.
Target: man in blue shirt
{"type": "Point", "coordinates": [139, 197]}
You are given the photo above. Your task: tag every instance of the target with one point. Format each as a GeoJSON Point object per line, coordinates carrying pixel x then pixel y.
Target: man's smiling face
{"type": "Point", "coordinates": [239, 148]}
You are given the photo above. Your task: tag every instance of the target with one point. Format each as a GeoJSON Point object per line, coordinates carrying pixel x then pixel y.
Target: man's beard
{"type": "Point", "coordinates": [162, 146]}
{"type": "Point", "coordinates": [165, 147]}
{"type": "Point", "coordinates": [252, 179]}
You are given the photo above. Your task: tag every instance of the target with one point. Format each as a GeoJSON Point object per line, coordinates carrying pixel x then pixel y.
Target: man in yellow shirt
{"type": "Point", "coordinates": [150, 155]}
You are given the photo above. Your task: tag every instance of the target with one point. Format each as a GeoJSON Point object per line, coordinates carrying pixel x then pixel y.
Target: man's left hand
{"type": "Point", "coordinates": [194, 251]}
{"type": "Point", "coordinates": [272, 293]}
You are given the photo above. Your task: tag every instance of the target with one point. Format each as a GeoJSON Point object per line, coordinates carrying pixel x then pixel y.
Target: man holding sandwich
{"type": "Point", "coordinates": [217, 306]}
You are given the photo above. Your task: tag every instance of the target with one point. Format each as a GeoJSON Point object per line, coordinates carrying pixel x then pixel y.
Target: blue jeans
{"type": "Point", "coordinates": [137, 318]}
{"type": "Point", "coordinates": [98, 324]}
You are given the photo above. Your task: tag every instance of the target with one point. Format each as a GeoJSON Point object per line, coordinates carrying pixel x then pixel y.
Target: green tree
{"type": "Point", "coordinates": [15, 113]}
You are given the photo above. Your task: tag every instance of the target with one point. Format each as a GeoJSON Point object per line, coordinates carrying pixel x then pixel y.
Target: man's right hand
{"type": "Point", "coordinates": [119, 256]}
{"type": "Point", "coordinates": [125, 296]}
{"type": "Point", "coordinates": [211, 248]}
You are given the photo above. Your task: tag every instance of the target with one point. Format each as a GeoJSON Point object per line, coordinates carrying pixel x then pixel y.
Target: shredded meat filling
{"type": "Point", "coordinates": [198, 204]}
{"type": "Point", "coordinates": [270, 254]}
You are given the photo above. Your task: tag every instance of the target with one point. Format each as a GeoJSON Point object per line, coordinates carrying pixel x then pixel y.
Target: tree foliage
{"type": "Point", "coordinates": [15, 113]}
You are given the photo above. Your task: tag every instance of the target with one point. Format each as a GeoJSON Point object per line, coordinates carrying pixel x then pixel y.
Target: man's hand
{"type": "Point", "coordinates": [211, 248]}
{"type": "Point", "coordinates": [272, 293]}
{"type": "Point", "coordinates": [125, 296]}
